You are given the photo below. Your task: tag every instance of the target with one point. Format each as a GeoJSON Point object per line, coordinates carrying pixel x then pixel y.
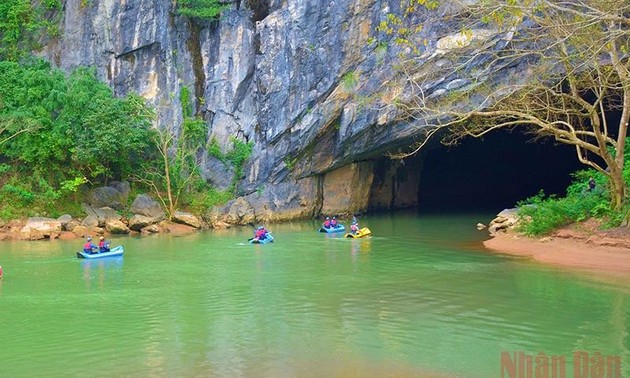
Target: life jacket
{"type": "Point", "coordinates": [101, 244]}
{"type": "Point", "coordinates": [87, 247]}
{"type": "Point", "coordinates": [327, 223]}
{"type": "Point", "coordinates": [333, 223]}
{"type": "Point", "coordinates": [354, 227]}
{"type": "Point", "coordinates": [259, 233]}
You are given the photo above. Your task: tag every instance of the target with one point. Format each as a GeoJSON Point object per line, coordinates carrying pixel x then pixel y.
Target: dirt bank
{"type": "Point", "coordinates": [581, 246]}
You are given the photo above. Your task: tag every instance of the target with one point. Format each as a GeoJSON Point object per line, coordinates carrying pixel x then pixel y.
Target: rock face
{"type": "Point", "coordinates": [290, 76]}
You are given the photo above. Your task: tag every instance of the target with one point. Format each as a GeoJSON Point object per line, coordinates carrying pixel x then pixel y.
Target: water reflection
{"type": "Point", "coordinates": [359, 247]}
{"type": "Point", "coordinates": [96, 272]}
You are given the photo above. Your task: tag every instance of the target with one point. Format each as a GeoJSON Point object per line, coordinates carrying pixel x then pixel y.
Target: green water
{"type": "Point", "coordinates": [421, 298]}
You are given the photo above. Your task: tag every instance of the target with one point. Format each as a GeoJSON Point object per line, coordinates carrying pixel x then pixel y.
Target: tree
{"type": "Point", "coordinates": [176, 169]}
{"type": "Point", "coordinates": [574, 73]}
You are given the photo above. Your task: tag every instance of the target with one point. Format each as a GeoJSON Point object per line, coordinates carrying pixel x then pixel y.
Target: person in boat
{"type": "Point", "coordinates": [334, 223]}
{"type": "Point", "coordinates": [327, 223]}
{"type": "Point", "coordinates": [354, 228]}
{"type": "Point", "coordinates": [260, 233]}
{"type": "Point", "coordinates": [103, 246]}
{"type": "Point", "coordinates": [89, 247]}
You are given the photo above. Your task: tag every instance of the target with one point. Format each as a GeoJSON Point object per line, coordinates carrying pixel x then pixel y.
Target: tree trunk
{"type": "Point", "coordinates": [617, 191]}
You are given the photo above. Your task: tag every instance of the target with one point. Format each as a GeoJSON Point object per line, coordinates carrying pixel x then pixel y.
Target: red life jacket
{"type": "Point", "coordinates": [87, 245]}
{"type": "Point", "coordinates": [327, 223]}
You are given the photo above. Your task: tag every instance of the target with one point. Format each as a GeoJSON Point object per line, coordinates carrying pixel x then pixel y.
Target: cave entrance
{"type": "Point", "coordinates": [478, 175]}
{"type": "Point", "coordinates": [493, 173]}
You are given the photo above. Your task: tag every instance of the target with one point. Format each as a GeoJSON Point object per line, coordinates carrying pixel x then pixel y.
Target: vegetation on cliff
{"type": "Point", "coordinates": [23, 23]}
{"type": "Point", "coordinates": [62, 133]}
{"type": "Point", "coordinates": [203, 9]}
{"type": "Point", "coordinates": [571, 82]}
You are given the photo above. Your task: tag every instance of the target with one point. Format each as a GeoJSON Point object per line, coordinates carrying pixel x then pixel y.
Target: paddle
{"type": "Point", "coordinates": [254, 227]}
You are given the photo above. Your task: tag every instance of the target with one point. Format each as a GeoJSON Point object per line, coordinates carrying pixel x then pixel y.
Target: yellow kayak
{"type": "Point", "coordinates": [361, 233]}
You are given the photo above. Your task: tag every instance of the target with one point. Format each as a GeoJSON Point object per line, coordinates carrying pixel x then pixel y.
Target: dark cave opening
{"type": "Point", "coordinates": [493, 173]}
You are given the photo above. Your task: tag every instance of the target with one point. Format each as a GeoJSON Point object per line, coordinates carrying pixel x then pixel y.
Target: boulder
{"type": "Point", "coordinates": [67, 235]}
{"type": "Point", "coordinates": [187, 218]}
{"type": "Point", "coordinates": [116, 226]}
{"type": "Point", "coordinates": [504, 221]}
{"type": "Point", "coordinates": [64, 220]}
{"type": "Point", "coordinates": [109, 196]}
{"type": "Point", "coordinates": [176, 229]}
{"type": "Point", "coordinates": [71, 225]}
{"type": "Point", "coordinates": [138, 222]}
{"type": "Point", "coordinates": [79, 231]}
{"type": "Point", "coordinates": [147, 206]}
{"type": "Point", "coordinates": [151, 229]}
{"type": "Point", "coordinates": [90, 221]}
{"type": "Point", "coordinates": [37, 228]}
{"type": "Point", "coordinates": [101, 213]}
{"type": "Point", "coordinates": [123, 187]}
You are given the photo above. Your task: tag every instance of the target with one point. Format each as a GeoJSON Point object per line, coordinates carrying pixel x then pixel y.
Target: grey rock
{"type": "Point", "coordinates": [147, 206]}
{"type": "Point", "coordinates": [272, 73]}
{"type": "Point", "coordinates": [90, 221]}
{"type": "Point", "coordinates": [64, 220]}
{"type": "Point", "coordinates": [106, 196]}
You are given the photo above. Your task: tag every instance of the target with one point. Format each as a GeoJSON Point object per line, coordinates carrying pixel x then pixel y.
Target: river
{"type": "Point", "coordinates": [420, 298]}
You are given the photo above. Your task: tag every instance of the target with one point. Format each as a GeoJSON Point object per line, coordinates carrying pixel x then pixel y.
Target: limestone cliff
{"type": "Point", "coordinates": [293, 76]}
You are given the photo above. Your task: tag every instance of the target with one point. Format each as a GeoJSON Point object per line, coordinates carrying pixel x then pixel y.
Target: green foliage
{"type": "Point", "coordinates": [81, 129]}
{"type": "Point", "coordinates": [215, 150]}
{"type": "Point", "coordinates": [239, 153]}
{"type": "Point", "coordinates": [541, 214]}
{"type": "Point", "coordinates": [22, 22]}
{"type": "Point", "coordinates": [202, 201]}
{"type": "Point", "coordinates": [61, 132]}
{"type": "Point", "coordinates": [203, 9]}
{"type": "Point", "coordinates": [194, 132]}
{"type": "Point", "coordinates": [184, 99]}
{"type": "Point", "coordinates": [349, 81]}
{"type": "Point", "coordinates": [289, 162]}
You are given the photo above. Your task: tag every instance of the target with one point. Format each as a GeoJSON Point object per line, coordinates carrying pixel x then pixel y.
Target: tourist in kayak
{"type": "Point", "coordinates": [103, 246]}
{"type": "Point", "coordinates": [354, 228]}
{"type": "Point", "coordinates": [327, 223]}
{"type": "Point", "coordinates": [89, 247]}
{"type": "Point", "coordinates": [333, 222]}
{"type": "Point", "coordinates": [260, 233]}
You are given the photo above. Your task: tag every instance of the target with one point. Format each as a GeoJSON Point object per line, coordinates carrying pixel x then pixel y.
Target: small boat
{"type": "Point", "coordinates": [116, 251]}
{"type": "Point", "coordinates": [330, 230]}
{"type": "Point", "coordinates": [268, 239]}
{"type": "Point", "coordinates": [361, 233]}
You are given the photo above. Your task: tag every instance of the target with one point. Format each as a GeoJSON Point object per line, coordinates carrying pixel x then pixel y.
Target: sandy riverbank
{"type": "Point", "coordinates": [580, 247]}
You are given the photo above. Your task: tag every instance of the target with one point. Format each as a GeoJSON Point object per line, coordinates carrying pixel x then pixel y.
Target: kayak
{"type": "Point", "coordinates": [268, 239]}
{"type": "Point", "coordinates": [116, 251]}
{"type": "Point", "coordinates": [361, 233]}
{"type": "Point", "coordinates": [330, 230]}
